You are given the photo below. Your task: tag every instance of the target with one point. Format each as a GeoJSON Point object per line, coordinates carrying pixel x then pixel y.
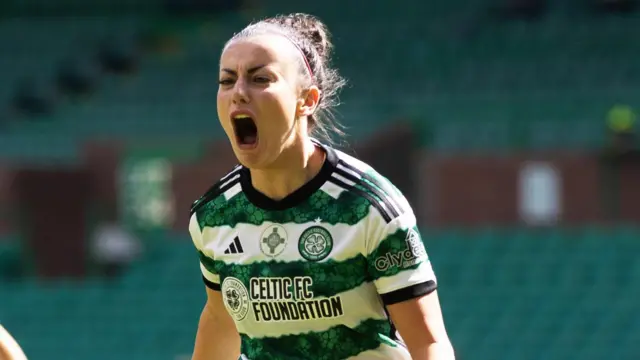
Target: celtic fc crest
{"type": "Point", "coordinates": [236, 297]}
{"type": "Point", "coordinates": [273, 240]}
{"type": "Point", "coordinates": [315, 243]}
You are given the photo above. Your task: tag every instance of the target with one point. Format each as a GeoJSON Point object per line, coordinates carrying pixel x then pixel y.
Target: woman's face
{"type": "Point", "coordinates": [259, 97]}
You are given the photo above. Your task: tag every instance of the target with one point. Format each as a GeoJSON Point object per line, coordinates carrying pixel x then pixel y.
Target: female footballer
{"type": "Point", "coordinates": [306, 252]}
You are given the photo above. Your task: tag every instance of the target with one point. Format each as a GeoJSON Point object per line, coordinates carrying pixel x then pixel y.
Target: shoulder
{"type": "Point", "coordinates": [9, 348]}
{"type": "Point", "coordinates": [231, 179]}
{"type": "Point", "coordinates": [363, 180]}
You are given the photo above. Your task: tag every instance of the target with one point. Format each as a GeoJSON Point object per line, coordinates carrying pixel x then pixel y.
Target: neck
{"type": "Point", "coordinates": [298, 164]}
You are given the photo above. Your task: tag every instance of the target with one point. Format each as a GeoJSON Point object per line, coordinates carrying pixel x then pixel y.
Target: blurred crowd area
{"type": "Point", "coordinates": [509, 125]}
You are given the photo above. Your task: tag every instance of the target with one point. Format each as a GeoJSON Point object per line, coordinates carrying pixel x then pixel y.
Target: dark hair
{"type": "Point", "coordinates": [312, 37]}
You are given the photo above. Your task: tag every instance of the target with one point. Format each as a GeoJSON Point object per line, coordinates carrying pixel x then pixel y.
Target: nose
{"type": "Point", "coordinates": [240, 94]}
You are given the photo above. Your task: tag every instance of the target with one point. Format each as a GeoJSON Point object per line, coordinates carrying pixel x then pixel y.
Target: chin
{"type": "Point", "coordinates": [252, 159]}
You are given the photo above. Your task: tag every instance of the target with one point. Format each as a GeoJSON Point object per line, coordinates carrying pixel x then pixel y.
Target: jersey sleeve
{"type": "Point", "coordinates": [209, 275]}
{"type": "Point", "coordinates": [397, 260]}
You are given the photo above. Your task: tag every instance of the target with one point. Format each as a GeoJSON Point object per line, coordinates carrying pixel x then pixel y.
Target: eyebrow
{"type": "Point", "coordinates": [250, 71]}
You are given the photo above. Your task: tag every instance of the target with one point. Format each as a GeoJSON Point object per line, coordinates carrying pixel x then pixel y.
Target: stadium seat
{"type": "Point", "coordinates": [506, 293]}
{"type": "Point", "coordinates": [469, 84]}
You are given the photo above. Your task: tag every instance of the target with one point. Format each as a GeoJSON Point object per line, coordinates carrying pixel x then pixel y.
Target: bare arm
{"type": "Point", "coordinates": [217, 336]}
{"type": "Point", "coordinates": [9, 348]}
{"type": "Point", "coordinates": [420, 324]}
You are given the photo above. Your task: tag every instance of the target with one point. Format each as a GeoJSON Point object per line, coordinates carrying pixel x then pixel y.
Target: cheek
{"type": "Point", "coordinates": [280, 104]}
{"type": "Point", "coordinates": [223, 108]}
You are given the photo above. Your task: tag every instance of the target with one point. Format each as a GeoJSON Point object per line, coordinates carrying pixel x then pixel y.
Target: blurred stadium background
{"type": "Point", "coordinates": [509, 124]}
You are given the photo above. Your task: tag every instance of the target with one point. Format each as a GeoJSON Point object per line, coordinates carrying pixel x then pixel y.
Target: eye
{"type": "Point", "coordinates": [262, 79]}
{"type": "Point", "coordinates": [225, 81]}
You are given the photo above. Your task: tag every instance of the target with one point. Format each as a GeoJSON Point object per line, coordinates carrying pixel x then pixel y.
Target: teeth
{"type": "Point", "coordinates": [241, 116]}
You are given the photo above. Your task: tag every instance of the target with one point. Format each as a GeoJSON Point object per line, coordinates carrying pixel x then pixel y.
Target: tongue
{"type": "Point", "coordinates": [249, 139]}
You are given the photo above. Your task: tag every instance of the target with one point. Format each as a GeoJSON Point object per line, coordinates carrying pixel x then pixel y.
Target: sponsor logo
{"type": "Point", "coordinates": [235, 247]}
{"type": "Point", "coordinates": [415, 244]}
{"type": "Point", "coordinates": [282, 299]}
{"type": "Point", "coordinates": [290, 299]}
{"type": "Point", "coordinates": [413, 254]}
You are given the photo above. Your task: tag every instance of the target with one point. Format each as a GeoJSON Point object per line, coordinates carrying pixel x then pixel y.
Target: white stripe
{"type": "Point", "coordinates": [214, 278]}
{"type": "Point", "coordinates": [332, 189]}
{"type": "Point", "coordinates": [233, 191]}
{"type": "Point", "coordinates": [359, 304]}
{"type": "Point", "coordinates": [406, 278]}
{"type": "Point", "coordinates": [219, 238]}
{"type": "Point", "coordinates": [237, 176]}
{"type": "Point", "coordinates": [343, 179]}
{"type": "Point", "coordinates": [231, 173]}
{"type": "Point", "coordinates": [346, 169]}
{"type": "Point", "coordinates": [405, 221]}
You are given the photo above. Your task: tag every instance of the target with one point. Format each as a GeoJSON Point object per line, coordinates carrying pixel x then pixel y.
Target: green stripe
{"type": "Point", "coordinates": [395, 244]}
{"type": "Point", "coordinates": [330, 277]}
{"type": "Point", "coordinates": [339, 342]}
{"type": "Point", "coordinates": [348, 209]}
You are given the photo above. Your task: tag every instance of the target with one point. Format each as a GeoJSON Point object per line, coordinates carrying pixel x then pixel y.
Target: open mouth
{"type": "Point", "coordinates": [246, 131]}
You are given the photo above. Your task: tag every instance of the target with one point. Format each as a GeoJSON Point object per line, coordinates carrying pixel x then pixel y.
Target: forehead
{"type": "Point", "coordinates": [258, 50]}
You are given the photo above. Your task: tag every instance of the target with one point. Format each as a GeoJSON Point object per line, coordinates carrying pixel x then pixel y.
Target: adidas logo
{"type": "Point", "coordinates": [235, 247]}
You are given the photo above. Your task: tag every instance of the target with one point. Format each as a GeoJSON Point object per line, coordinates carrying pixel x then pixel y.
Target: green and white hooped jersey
{"type": "Point", "coordinates": [308, 276]}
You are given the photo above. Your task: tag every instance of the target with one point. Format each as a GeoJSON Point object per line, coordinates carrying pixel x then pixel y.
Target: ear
{"type": "Point", "coordinates": [308, 102]}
